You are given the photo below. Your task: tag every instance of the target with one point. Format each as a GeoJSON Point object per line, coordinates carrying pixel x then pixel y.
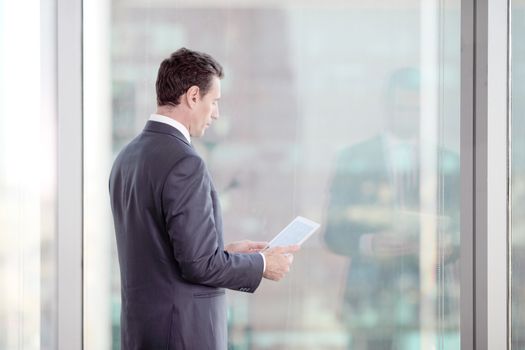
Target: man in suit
{"type": "Point", "coordinates": [173, 262]}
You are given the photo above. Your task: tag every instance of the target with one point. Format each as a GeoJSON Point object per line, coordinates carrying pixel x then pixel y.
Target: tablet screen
{"type": "Point", "coordinates": [295, 233]}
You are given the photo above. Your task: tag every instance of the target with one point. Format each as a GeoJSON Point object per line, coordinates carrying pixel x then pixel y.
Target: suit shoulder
{"type": "Point", "coordinates": [163, 148]}
{"type": "Point", "coordinates": [190, 162]}
{"type": "Point", "coordinates": [188, 168]}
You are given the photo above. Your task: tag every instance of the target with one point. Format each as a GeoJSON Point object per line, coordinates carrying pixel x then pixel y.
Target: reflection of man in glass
{"type": "Point", "coordinates": [374, 217]}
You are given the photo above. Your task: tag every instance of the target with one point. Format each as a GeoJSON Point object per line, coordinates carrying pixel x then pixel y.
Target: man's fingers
{"type": "Point", "coordinates": [287, 249]}
{"type": "Point", "coordinates": [258, 245]}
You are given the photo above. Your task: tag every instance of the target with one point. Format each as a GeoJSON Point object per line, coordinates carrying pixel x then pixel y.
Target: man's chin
{"type": "Point", "coordinates": [198, 134]}
{"type": "Point", "coordinates": [203, 131]}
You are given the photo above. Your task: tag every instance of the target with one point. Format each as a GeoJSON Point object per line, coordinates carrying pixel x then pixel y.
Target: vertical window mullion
{"type": "Point", "coordinates": [69, 174]}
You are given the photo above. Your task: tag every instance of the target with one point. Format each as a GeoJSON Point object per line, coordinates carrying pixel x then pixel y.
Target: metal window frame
{"type": "Point", "coordinates": [485, 39]}
{"type": "Point", "coordinates": [70, 174]}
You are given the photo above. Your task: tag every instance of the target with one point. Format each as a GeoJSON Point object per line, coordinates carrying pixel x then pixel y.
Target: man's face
{"type": "Point", "coordinates": [206, 109]}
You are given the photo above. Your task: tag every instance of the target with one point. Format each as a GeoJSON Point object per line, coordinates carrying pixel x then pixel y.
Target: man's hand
{"type": "Point", "coordinates": [390, 245]}
{"type": "Point", "coordinates": [245, 247]}
{"type": "Point", "coordinates": [278, 261]}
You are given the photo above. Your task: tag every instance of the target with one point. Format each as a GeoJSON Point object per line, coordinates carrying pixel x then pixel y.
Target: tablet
{"type": "Point", "coordinates": [296, 232]}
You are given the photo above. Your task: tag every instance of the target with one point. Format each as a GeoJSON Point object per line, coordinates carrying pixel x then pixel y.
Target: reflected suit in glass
{"type": "Point", "coordinates": [375, 195]}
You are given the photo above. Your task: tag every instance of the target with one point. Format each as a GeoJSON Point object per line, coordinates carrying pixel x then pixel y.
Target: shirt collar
{"type": "Point", "coordinates": [172, 122]}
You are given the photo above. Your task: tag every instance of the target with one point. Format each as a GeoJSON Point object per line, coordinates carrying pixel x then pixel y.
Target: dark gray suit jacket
{"type": "Point", "coordinates": [169, 237]}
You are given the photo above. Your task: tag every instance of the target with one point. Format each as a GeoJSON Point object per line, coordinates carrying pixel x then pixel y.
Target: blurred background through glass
{"type": "Point", "coordinates": [346, 112]}
{"type": "Point", "coordinates": [28, 179]}
{"type": "Point", "coordinates": [517, 224]}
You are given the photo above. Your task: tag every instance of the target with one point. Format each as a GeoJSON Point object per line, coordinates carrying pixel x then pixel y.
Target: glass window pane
{"type": "Point", "coordinates": [343, 112]}
{"type": "Point", "coordinates": [517, 224]}
{"type": "Point", "coordinates": [28, 175]}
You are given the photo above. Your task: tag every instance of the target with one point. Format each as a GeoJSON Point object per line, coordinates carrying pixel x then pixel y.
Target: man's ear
{"type": "Point", "coordinates": [193, 95]}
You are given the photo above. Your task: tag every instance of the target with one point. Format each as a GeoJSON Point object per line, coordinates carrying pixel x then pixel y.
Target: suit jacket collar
{"type": "Point", "coordinates": [162, 128]}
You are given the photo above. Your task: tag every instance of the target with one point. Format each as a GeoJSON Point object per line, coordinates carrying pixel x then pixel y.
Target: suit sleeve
{"type": "Point", "coordinates": [189, 213]}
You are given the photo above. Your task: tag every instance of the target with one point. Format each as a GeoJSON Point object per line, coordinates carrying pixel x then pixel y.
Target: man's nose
{"type": "Point", "coordinates": [215, 114]}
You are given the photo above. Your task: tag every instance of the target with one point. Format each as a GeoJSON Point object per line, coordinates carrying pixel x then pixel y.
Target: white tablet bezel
{"type": "Point", "coordinates": [314, 226]}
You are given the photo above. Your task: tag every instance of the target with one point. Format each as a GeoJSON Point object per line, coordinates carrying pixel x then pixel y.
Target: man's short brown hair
{"type": "Point", "coordinates": [182, 70]}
